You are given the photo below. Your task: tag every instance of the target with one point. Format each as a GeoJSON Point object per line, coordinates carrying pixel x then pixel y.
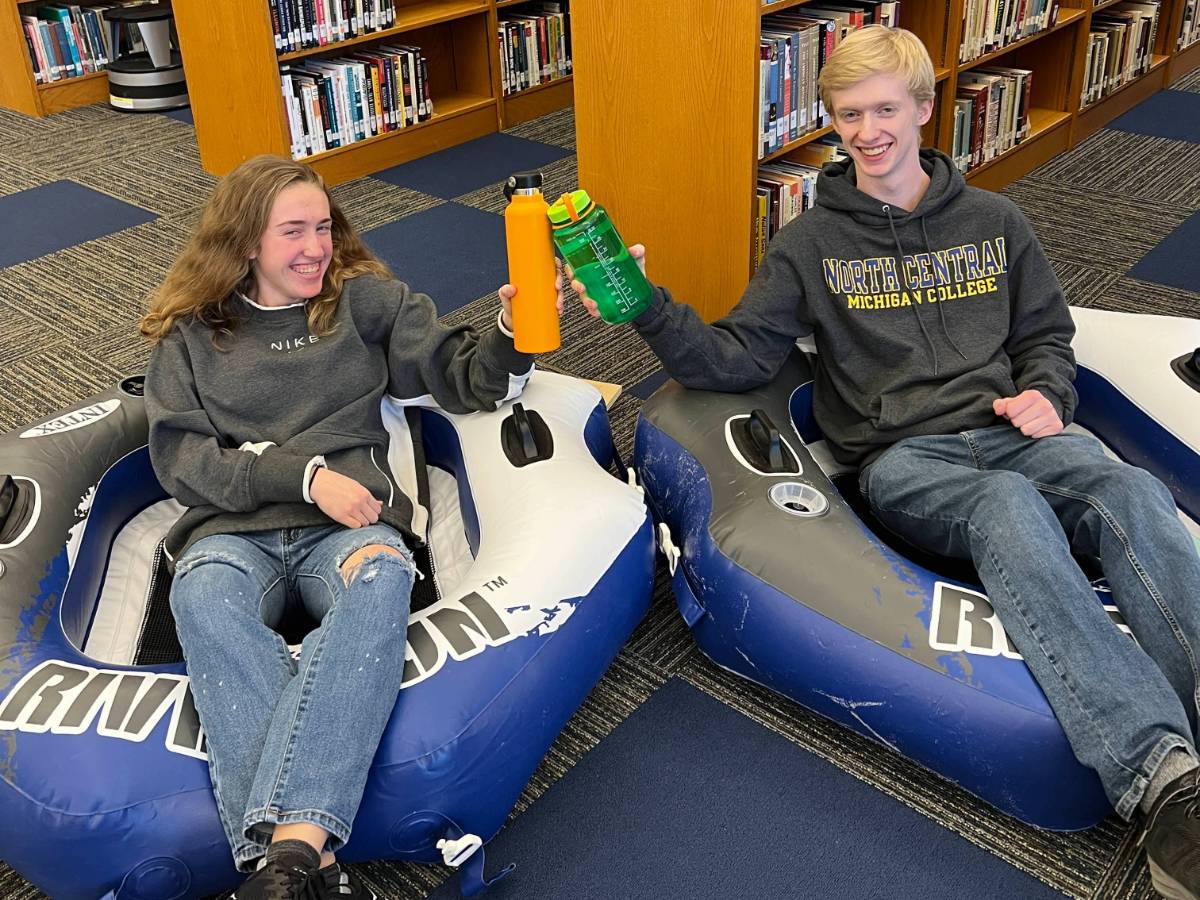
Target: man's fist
{"type": "Point", "coordinates": [1031, 412]}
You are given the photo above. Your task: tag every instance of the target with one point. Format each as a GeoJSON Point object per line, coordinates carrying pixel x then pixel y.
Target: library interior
{"type": "Point", "coordinates": [635, 292]}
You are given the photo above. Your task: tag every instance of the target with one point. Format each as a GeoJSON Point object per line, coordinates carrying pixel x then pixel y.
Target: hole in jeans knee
{"type": "Point", "coordinates": [363, 563]}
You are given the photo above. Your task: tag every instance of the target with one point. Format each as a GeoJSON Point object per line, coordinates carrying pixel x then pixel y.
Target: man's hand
{"type": "Point", "coordinates": [1031, 412]}
{"type": "Point", "coordinates": [343, 499]}
{"type": "Point", "coordinates": [507, 292]}
{"type": "Point", "coordinates": [637, 251]}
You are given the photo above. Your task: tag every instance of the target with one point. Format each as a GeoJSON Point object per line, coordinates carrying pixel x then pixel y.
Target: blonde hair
{"type": "Point", "coordinates": [878, 50]}
{"type": "Point", "coordinates": [215, 262]}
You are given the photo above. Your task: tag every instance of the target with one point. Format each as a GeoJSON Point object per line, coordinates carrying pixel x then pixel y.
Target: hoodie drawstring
{"type": "Point", "coordinates": [941, 311]}
{"type": "Point", "coordinates": [900, 265]}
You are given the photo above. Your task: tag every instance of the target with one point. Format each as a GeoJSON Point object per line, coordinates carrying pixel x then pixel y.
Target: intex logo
{"type": "Point", "coordinates": [72, 420]}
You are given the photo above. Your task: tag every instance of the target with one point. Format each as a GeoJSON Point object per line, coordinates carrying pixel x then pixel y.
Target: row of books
{"type": "Point", "coordinates": [304, 24]}
{"type": "Point", "coordinates": [788, 187]}
{"type": "Point", "coordinates": [68, 41]}
{"type": "Point", "coordinates": [991, 24]}
{"type": "Point", "coordinates": [535, 46]}
{"type": "Point", "coordinates": [1120, 47]}
{"type": "Point", "coordinates": [991, 114]}
{"type": "Point", "coordinates": [334, 102]}
{"type": "Point", "coordinates": [792, 51]}
{"type": "Point", "coordinates": [1189, 33]}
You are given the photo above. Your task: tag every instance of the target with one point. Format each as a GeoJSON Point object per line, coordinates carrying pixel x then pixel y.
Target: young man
{"type": "Point", "coordinates": [945, 374]}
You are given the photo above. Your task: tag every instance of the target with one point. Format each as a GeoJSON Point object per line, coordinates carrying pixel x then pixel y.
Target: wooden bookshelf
{"type": "Point", "coordinates": [680, 176]}
{"type": "Point", "coordinates": [232, 71]}
{"type": "Point", "coordinates": [18, 88]}
{"type": "Point", "coordinates": [233, 79]}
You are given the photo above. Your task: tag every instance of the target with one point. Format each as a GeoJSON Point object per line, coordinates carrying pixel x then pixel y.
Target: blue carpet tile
{"type": "Point", "coordinates": [648, 385]}
{"type": "Point", "coordinates": [45, 219]}
{"type": "Point", "coordinates": [455, 250]}
{"type": "Point", "coordinates": [181, 115]}
{"type": "Point", "coordinates": [470, 166]}
{"type": "Point", "coordinates": [689, 798]}
{"type": "Point", "coordinates": [1175, 261]}
{"type": "Point", "coordinates": [1167, 114]}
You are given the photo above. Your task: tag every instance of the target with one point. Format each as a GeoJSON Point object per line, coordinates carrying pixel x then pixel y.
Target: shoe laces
{"type": "Point", "coordinates": [298, 883]}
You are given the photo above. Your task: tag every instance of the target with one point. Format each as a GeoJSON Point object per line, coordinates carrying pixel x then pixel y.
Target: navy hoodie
{"type": "Point", "coordinates": [921, 319]}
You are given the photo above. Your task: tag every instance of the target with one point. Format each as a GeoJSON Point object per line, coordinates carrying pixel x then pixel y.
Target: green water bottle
{"type": "Point", "coordinates": [588, 241]}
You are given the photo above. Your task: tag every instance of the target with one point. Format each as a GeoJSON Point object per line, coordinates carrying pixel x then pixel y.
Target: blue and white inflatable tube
{"type": "Point", "coordinates": [783, 581]}
{"type": "Point", "coordinates": [543, 568]}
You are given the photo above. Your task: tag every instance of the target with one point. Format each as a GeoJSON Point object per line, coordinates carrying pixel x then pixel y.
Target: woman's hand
{"type": "Point", "coordinates": [343, 499]}
{"type": "Point", "coordinates": [507, 292]}
{"type": "Point", "coordinates": [637, 251]}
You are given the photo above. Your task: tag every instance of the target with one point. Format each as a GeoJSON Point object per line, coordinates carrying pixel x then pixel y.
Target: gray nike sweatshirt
{"type": "Point", "coordinates": [921, 319]}
{"type": "Point", "coordinates": [233, 430]}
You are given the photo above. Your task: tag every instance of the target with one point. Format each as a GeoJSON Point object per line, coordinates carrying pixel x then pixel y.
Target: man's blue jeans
{"type": "Point", "coordinates": [1018, 507]}
{"type": "Point", "coordinates": [291, 741]}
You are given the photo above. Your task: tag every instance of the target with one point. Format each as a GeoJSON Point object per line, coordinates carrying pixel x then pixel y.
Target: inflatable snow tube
{"type": "Point", "coordinates": [783, 580]}
{"type": "Point", "coordinates": [542, 562]}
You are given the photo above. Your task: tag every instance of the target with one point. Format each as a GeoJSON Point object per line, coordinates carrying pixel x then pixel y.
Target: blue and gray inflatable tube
{"type": "Point", "coordinates": [783, 581]}
{"type": "Point", "coordinates": [104, 784]}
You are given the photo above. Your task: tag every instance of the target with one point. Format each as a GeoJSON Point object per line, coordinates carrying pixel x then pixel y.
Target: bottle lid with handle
{"type": "Point", "coordinates": [522, 183]}
{"type": "Point", "coordinates": [570, 208]}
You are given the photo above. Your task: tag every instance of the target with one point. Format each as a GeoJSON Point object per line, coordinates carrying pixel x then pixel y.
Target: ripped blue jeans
{"type": "Point", "coordinates": [292, 740]}
{"type": "Point", "coordinates": [1018, 507]}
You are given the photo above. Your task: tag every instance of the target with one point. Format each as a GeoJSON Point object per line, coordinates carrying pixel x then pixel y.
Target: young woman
{"type": "Point", "coordinates": [276, 334]}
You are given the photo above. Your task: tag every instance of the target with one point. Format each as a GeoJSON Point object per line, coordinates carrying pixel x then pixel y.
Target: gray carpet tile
{"type": "Point", "coordinates": [1189, 82]}
{"type": "Point", "coordinates": [95, 136]}
{"type": "Point", "coordinates": [1077, 225]}
{"type": "Point", "coordinates": [19, 132]}
{"type": "Point", "coordinates": [1083, 285]}
{"type": "Point", "coordinates": [164, 180]}
{"type": "Point", "coordinates": [15, 177]}
{"type": "Point", "coordinates": [557, 128]}
{"type": "Point", "coordinates": [96, 285]}
{"type": "Point", "coordinates": [558, 177]}
{"type": "Point", "coordinates": [1129, 165]}
{"type": "Point", "coordinates": [57, 376]}
{"type": "Point", "coordinates": [1131, 295]}
{"type": "Point", "coordinates": [369, 202]}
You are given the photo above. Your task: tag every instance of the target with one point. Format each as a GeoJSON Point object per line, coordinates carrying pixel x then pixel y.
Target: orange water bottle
{"type": "Point", "coordinates": [531, 264]}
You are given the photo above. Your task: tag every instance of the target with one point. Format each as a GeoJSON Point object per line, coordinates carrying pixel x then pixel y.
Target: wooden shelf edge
{"type": "Point", "coordinates": [941, 73]}
{"type": "Point", "coordinates": [537, 101]}
{"type": "Point", "coordinates": [1105, 4]}
{"type": "Point", "coordinates": [458, 106]}
{"type": "Point", "coordinates": [1066, 17]}
{"type": "Point", "coordinates": [1041, 123]}
{"type": "Point", "coordinates": [799, 142]}
{"type": "Point", "coordinates": [386, 150]}
{"type": "Point", "coordinates": [1183, 61]}
{"type": "Point", "coordinates": [83, 90]}
{"type": "Point", "coordinates": [1095, 116]}
{"type": "Point", "coordinates": [448, 12]}
{"type": "Point", "coordinates": [778, 5]}
{"type": "Point", "coordinates": [78, 79]}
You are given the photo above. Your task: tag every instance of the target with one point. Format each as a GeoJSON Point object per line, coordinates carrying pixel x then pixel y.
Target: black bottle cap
{"type": "Point", "coordinates": [522, 181]}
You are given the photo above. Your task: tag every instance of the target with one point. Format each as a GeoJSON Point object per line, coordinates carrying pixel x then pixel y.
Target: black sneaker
{"type": "Point", "coordinates": [333, 881]}
{"type": "Point", "coordinates": [1172, 839]}
{"type": "Point", "coordinates": [289, 873]}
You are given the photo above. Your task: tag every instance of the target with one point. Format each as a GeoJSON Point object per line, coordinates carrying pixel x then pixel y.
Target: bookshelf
{"type": "Point", "coordinates": [667, 130]}
{"type": "Point", "coordinates": [233, 79]}
{"type": "Point", "coordinates": [19, 91]}
{"type": "Point", "coordinates": [232, 71]}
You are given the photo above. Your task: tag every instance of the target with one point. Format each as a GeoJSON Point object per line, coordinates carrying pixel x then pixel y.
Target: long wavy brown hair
{"type": "Point", "coordinates": [215, 262]}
